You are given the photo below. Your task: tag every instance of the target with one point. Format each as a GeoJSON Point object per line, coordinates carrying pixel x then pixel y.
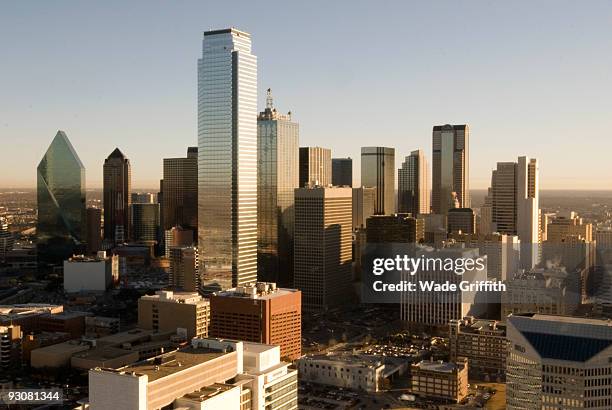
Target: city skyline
{"type": "Point", "coordinates": [505, 106]}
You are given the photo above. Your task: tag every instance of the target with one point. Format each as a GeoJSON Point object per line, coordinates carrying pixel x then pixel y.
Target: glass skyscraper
{"type": "Point", "coordinates": [278, 176]}
{"type": "Point", "coordinates": [60, 229]}
{"type": "Point", "coordinates": [117, 198]}
{"type": "Point", "coordinates": [378, 170]}
{"type": "Point", "coordinates": [413, 185]}
{"type": "Point", "coordinates": [227, 160]}
{"type": "Point", "coordinates": [180, 188]}
{"type": "Point", "coordinates": [450, 168]}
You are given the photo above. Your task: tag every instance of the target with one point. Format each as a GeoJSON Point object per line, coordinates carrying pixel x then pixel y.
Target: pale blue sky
{"type": "Point", "coordinates": [531, 78]}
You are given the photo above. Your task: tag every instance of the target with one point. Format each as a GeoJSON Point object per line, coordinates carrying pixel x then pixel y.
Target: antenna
{"type": "Point", "coordinates": [269, 103]}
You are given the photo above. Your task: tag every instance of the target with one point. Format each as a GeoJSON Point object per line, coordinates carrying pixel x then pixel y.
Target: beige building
{"type": "Point", "coordinates": [440, 380]}
{"type": "Point", "coordinates": [322, 245]}
{"type": "Point", "coordinates": [570, 242]}
{"type": "Point", "coordinates": [209, 374]}
{"type": "Point", "coordinates": [182, 312]}
{"type": "Point", "coordinates": [363, 205]}
{"type": "Point", "coordinates": [483, 343]}
{"type": "Point", "coordinates": [315, 166]}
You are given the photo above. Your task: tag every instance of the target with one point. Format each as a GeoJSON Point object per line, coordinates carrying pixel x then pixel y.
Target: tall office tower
{"type": "Point", "coordinates": [322, 245]}
{"type": "Point", "coordinates": [117, 198]}
{"type": "Point", "coordinates": [6, 240]}
{"type": "Point", "coordinates": [413, 185]}
{"type": "Point", "coordinates": [94, 230]}
{"type": "Point", "coordinates": [227, 160]}
{"type": "Point", "coordinates": [179, 204]}
{"type": "Point", "coordinates": [450, 168]}
{"type": "Point", "coordinates": [399, 228]}
{"type": "Point", "coordinates": [315, 166]}
{"type": "Point", "coordinates": [378, 170]}
{"type": "Point", "coordinates": [184, 273]}
{"type": "Point", "coordinates": [259, 312]}
{"type": "Point", "coordinates": [145, 223]}
{"type": "Point", "coordinates": [558, 362]}
{"type": "Point", "coordinates": [364, 200]}
{"type": "Point", "coordinates": [60, 228]}
{"type": "Point", "coordinates": [143, 198]}
{"type": "Point", "coordinates": [342, 172]}
{"type": "Point", "coordinates": [277, 178]}
{"type": "Point", "coordinates": [461, 220]}
{"type": "Point", "coordinates": [514, 204]}
{"type": "Point", "coordinates": [177, 236]}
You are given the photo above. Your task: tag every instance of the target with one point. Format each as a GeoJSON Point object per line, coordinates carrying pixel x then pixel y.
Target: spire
{"type": "Point", "coordinates": [269, 102]}
{"type": "Point", "coordinates": [117, 154]}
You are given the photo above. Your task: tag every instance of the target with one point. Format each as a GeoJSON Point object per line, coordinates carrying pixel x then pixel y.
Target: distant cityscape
{"type": "Point", "coordinates": [241, 281]}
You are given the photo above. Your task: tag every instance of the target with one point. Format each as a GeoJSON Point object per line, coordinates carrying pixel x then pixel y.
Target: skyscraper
{"type": "Point", "coordinates": [227, 159]}
{"type": "Point", "coordinates": [322, 259]}
{"type": "Point", "coordinates": [145, 223]}
{"type": "Point", "coordinates": [117, 197]}
{"type": "Point", "coordinates": [6, 240]}
{"type": "Point", "coordinates": [378, 170]}
{"type": "Point", "coordinates": [278, 162]}
{"type": "Point", "coordinates": [413, 185]}
{"type": "Point", "coordinates": [94, 230]}
{"type": "Point", "coordinates": [450, 169]}
{"type": "Point", "coordinates": [342, 172]}
{"type": "Point", "coordinates": [184, 271]}
{"type": "Point", "coordinates": [514, 205]}
{"type": "Point", "coordinates": [364, 201]}
{"type": "Point", "coordinates": [60, 228]}
{"type": "Point", "coordinates": [315, 166]}
{"type": "Point", "coordinates": [180, 191]}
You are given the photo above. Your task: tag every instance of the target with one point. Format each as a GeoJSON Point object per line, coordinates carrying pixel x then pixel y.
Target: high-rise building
{"type": "Point", "coordinates": [94, 230]}
{"type": "Point", "coordinates": [278, 176]}
{"type": "Point", "coordinates": [177, 236]}
{"type": "Point", "coordinates": [342, 172]}
{"type": "Point", "coordinates": [461, 220]}
{"type": "Point", "coordinates": [450, 168]}
{"type": "Point", "coordinates": [145, 223]}
{"type": "Point", "coordinates": [180, 191]}
{"type": "Point", "coordinates": [91, 274]}
{"type": "Point", "coordinates": [569, 241]}
{"type": "Point", "coordinates": [143, 198]}
{"type": "Point", "coordinates": [485, 221]}
{"type": "Point", "coordinates": [60, 228]}
{"type": "Point", "coordinates": [399, 228]}
{"type": "Point", "coordinates": [315, 166]}
{"type": "Point", "coordinates": [322, 247]}
{"type": "Point", "coordinates": [364, 200]}
{"type": "Point", "coordinates": [184, 271]}
{"type": "Point", "coordinates": [6, 240]}
{"type": "Point", "coordinates": [413, 184]}
{"type": "Point", "coordinates": [514, 204]}
{"type": "Point", "coordinates": [170, 311]}
{"type": "Point", "coordinates": [558, 362]}
{"type": "Point", "coordinates": [260, 313]}
{"type": "Point", "coordinates": [227, 160]}
{"type": "Point", "coordinates": [117, 198]}
{"type": "Point", "coordinates": [378, 170]}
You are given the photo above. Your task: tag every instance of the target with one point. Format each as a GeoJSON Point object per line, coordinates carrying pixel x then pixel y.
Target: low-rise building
{"type": "Point", "coordinates": [182, 312]}
{"type": "Point", "coordinates": [209, 374]}
{"type": "Point", "coordinates": [91, 274]}
{"type": "Point", "coordinates": [440, 380]}
{"type": "Point", "coordinates": [483, 343]}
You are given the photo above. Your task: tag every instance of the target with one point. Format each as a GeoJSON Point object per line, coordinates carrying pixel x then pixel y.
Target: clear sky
{"type": "Point", "coordinates": [530, 78]}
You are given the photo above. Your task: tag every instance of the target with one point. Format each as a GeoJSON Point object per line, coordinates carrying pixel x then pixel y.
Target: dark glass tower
{"type": "Point", "coordinates": [117, 198]}
{"type": "Point", "coordinates": [60, 228]}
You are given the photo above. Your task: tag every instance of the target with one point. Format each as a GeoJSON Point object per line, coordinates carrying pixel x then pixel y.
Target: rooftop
{"type": "Point", "coordinates": [258, 290]}
{"type": "Point", "coordinates": [190, 298]}
{"type": "Point", "coordinates": [439, 366]}
{"type": "Point", "coordinates": [208, 392]}
{"type": "Point", "coordinates": [170, 363]}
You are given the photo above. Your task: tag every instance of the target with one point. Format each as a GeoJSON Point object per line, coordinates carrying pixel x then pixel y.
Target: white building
{"type": "Point", "coordinates": [349, 372]}
{"type": "Point", "coordinates": [85, 274]}
{"type": "Point", "coordinates": [210, 374]}
{"type": "Point", "coordinates": [558, 363]}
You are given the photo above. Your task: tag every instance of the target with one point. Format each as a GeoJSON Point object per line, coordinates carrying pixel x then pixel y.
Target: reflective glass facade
{"type": "Point", "coordinates": [413, 185]}
{"type": "Point", "coordinates": [117, 198]}
{"type": "Point", "coordinates": [145, 220]}
{"type": "Point", "coordinates": [227, 160]}
{"type": "Point", "coordinates": [278, 162]}
{"type": "Point", "coordinates": [450, 168]}
{"type": "Point", "coordinates": [180, 188]}
{"type": "Point", "coordinates": [60, 228]}
{"type": "Point", "coordinates": [378, 170]}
